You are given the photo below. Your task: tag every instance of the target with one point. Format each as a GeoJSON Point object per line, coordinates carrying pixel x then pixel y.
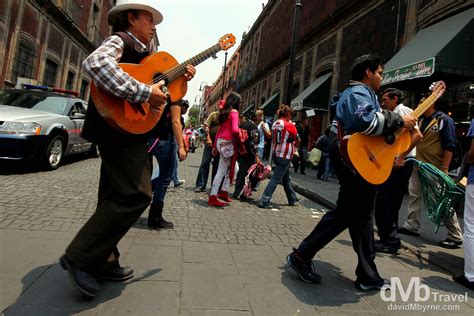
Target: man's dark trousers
{"type": "Point", "coordinates": [124, 193]}
{"type": "Point", "coordinates": [245, 162]}
{"type": "Point", "coordinates": [203, 173]}
{"type": "Point", "coordinates": [388, 202]}
{"type": "Point", "coordinates": [303, 153]}
{"type": "Point", "coordinates": [354, 210]}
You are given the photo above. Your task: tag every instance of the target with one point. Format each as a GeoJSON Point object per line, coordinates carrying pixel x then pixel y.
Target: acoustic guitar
{"type": "Point", "coordinates": [373, 156]}
{"type": "Point", "coordinates": [139, 118]}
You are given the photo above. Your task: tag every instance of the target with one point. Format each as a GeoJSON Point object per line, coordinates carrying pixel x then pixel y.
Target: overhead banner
{"type": "Point", "coordinates": [419, 69]}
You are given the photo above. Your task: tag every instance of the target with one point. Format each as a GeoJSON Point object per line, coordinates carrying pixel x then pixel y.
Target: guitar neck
{"type": "Point", "coordinates": [424, 106]}
{"type": "Point", "coordinates": [420, 110]}
{"type": "Point", "coordinates": [179, 70]}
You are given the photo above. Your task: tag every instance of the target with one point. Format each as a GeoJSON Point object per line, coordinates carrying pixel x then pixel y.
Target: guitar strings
{"type": "Point", "coordinates": [431, 99]}
{"type": "Point", "coordinates": [178, 70]}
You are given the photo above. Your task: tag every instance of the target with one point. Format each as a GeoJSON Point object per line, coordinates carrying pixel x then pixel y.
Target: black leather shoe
{"type": "Point", "coordinates": [161, 223]}
{"type": "Point", "coordinates": [81, 280]}
{"type": "Point", "coordinates": [403, 230]}
{"type": "Point", "coordinates": [383, 247]}
{"type": "Point", "coordinates": [461, 279]}
{"type": "Point", "coordinates": [245, 198]}
{"type": "Point", "coordinates": [112, 271]}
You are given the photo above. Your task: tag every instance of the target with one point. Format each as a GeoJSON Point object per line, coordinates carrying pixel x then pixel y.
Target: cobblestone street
{"type": "Point", "coordinates": [228, 261]}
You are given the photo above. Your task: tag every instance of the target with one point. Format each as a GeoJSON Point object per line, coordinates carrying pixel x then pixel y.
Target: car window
{"type": "Point", "coordinates": [32, 100]}
{"type": "Point", "coordinates": [78, 107]}
{"type": "Point", "coordinates": [51, 104]}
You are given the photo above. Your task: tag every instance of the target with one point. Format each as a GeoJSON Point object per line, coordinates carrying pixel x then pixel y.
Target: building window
{"type": "Point", "coordinates": [94, 32]}
{"type": "Point", "coordinates": [25, 61]}
{"type": "Point", "coordinates": [70, 81]}
{"type": "Point", "coordinates": [278, 76]}
{"type": "Point", "coordinates": [50, 73]}
{"type": "Point", "coordinates": [84, 86]}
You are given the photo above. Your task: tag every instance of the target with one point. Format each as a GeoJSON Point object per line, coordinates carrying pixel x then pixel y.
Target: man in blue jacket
{"type": "Point", "coordinates": [357, 110]}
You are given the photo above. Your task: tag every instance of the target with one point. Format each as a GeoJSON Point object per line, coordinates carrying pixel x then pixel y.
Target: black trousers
{"type": "Point", "coordinates": [354, 210]}
{"type": "Point", "coordinates": [245, 162]}
{"type": "Point", "coordinates": [388, 202]}
{"type": "Point", "coordinates": [124, 193]}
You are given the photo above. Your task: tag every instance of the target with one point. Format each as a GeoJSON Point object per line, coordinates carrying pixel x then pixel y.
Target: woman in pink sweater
{"type": "Point", "coordinates": [225, 146]}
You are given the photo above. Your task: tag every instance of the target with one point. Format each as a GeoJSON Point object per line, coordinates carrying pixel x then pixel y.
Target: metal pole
{"type": "Point", "coordinates": [223, 76]}
{"type": "Point", "coordinates": [294, 41]}
{"type": "Point", "coordinates": [199, 112]}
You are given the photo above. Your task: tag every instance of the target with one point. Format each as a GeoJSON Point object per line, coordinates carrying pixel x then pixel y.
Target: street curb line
{"type": "Point", "coordinates": [417, 252]}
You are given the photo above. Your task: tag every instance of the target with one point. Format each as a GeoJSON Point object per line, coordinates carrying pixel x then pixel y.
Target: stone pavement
{"type": "Point", "coordinates": [227, 261]}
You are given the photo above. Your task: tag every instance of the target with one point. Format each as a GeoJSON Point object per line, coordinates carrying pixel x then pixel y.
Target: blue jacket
{"type": "Point", "coordinates": [358, 110]}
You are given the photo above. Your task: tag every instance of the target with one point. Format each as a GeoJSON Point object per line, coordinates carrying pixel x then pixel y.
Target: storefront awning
{"type": "Point", "coordinates": [445, 47]}
{"type": "Point", "coordinates": [315, 96]}
{"type": "Point", "coordinates": [271, 105]}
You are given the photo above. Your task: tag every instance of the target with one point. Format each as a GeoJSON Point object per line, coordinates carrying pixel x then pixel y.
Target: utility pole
{"type": "Point", "coordinates": [294, 41]}
{"type": "Point", "coordinates": [223, 76]}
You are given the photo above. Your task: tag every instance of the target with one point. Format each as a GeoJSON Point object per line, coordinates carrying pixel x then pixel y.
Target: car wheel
{"type": "Point", "coordinates": [94, 152]}
{"type": "Point", "coordinates": [54, 153]}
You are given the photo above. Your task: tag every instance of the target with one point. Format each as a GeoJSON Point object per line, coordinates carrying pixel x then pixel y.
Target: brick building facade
{"type": "Point", "coordinates": [331, 35]}
{"type": "Point", "coordinates": [45, 41]}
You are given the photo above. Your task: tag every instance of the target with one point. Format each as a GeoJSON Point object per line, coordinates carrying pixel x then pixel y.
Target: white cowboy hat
{"type": "Point", "coordinates": [124, 5]}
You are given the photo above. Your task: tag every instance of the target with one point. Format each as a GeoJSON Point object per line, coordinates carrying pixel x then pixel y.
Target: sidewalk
{"type": "Point", "coordinates": [215, 262]}
{"type": "Point", "coordinates": [425, 247]}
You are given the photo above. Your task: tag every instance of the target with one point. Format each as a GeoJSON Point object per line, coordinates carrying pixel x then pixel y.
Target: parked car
{"type": "Point", "coordinates": [42, 124]}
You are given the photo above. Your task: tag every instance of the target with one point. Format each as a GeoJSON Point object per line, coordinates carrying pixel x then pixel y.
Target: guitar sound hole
{"type": "Point", "coordinates": [390, 139]}
{"type": "Point", "coordinates": [158, 77]}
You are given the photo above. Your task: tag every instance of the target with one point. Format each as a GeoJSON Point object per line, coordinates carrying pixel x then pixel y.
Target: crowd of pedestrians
{"type": "Point", "coordinates": [236, 144]}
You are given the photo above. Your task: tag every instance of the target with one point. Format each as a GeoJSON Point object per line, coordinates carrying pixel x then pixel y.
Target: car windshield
{"type": "Point", "coordinates": [35, 101]}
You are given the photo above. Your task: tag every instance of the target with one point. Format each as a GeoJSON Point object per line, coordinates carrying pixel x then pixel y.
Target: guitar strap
{"type": "Point", "coordinates": [433, 121]}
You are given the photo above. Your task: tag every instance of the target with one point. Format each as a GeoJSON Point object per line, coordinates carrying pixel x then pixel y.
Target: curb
{"type": "Point", "coordinates": [424, 256]}
{"type": "Point", "coordinates": [313, 196]}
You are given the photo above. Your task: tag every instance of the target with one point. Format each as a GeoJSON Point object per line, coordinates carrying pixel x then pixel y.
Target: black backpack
{"type": "Point", "coordinates": [254, 139]}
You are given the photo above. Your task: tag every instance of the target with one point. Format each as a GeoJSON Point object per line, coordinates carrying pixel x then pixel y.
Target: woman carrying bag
{"type": "Point", "coordinates": [225, 146]}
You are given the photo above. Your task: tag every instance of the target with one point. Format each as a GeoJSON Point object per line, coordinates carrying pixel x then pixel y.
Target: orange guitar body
{"type": "Point", "coordinates": [372, 157]}
{"type": "Point", "coordinates": [138, 118]}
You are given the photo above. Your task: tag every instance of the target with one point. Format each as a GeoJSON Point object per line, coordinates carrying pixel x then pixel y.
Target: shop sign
{"type": "Point", "coordinates": [297, 106]}
{"type": "Point", "coordinates": [419, 69]}
{"type": "Point", "coordinates": [310, 113]}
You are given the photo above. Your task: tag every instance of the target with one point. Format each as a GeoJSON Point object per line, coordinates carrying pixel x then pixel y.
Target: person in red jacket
{"type": "Point", "coordinates": [283, 143]}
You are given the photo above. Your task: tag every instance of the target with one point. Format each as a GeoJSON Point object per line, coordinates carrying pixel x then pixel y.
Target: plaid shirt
{"type": "Point", "coordinates": [102, 66]}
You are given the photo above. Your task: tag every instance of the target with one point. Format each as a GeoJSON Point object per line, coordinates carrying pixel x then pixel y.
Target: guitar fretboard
{"type": "Point", "coordinates": [179, 70]}
{"type": "Point", "coordinates": [425, 105]}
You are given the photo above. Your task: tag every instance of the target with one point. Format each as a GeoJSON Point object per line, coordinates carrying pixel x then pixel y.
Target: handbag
{"type": "Point", "coordinates": [227, 149]}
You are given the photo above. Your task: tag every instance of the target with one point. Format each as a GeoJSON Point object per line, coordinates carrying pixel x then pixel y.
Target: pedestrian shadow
{"type": "Point", "coordinates": [335, 289]}
{"type": "Point", "coordinates": [47, 290]}
{"type": "Point", "coordinates": [446, 285]}
{"type": "Point", "coordinates": [432, 260]}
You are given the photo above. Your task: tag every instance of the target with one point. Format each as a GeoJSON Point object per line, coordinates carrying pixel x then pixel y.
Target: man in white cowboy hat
{"type": "Point", "coordinates": [125, 185]}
